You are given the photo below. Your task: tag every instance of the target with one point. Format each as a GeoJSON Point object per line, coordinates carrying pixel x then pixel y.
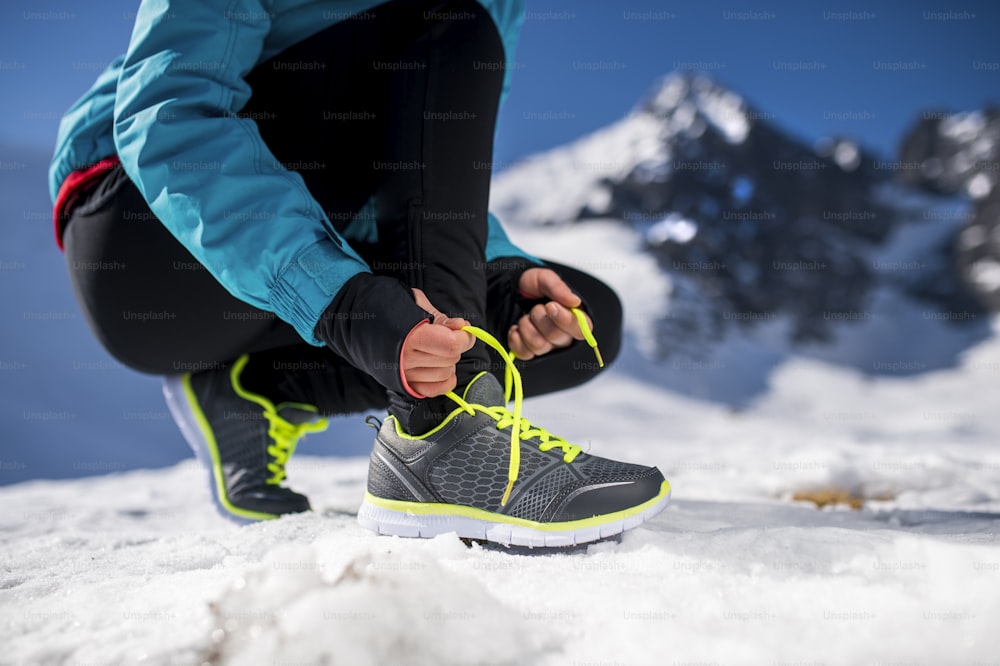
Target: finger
{"type": "Point", "coordinates": [553, 287]}
{"type": "Point", "coordinates": [416, 358]}
{"type": "Point", "coordinates": [457, 324]}
{"type": "Point", "coordinates": [429, 375]}
{"type": "Point", "coordinates": [546, 283]}
{"type": "Point", "coordinates": [517, 345]}
{"type": "Point", "coordinates": [441, 341]}
{"type": "Point", "coordinates": [533, 339]}
{"type": "Point", "coordinates": [464, 340]}
{"type": "Point", "coordinates": [565, 320]}
{"type": "Point", "coordinates": [548, 326]}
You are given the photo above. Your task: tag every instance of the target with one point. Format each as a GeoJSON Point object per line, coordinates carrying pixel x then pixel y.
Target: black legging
{"type": "Point", "coordinates": [347, 130]}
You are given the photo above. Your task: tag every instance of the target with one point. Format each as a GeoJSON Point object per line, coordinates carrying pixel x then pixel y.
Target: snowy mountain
{"type": "Point", "coordinates": [754, 231]}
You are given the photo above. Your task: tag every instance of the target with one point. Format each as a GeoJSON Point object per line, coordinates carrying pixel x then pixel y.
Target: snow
{"type": "Point", "coordinates": [724, 109]}
{"type": "Point", "coordinates": [134, 567]}
{"type": "Point", "coordinates": [673, 227]}
{"type": "Point", "coordinates": [847, 156]}
{"type": "Point", "coordinates": [979, 186]}
{"type": "Point", "coordinates": [986, 275]}
{"type": "Point", "coordinates": [963, 126]}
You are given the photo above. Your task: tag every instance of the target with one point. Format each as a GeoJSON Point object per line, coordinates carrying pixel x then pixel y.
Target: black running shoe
{"type": "Point", "coordinates": [487, 473]}
{"type": "Point", "coordinates": [243, 439]}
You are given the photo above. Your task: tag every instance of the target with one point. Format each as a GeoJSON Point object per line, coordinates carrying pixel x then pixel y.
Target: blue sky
{"type": "Point", "coordinates": [861, 69]}
{"type": "Point", "coordinates": [810, 64]}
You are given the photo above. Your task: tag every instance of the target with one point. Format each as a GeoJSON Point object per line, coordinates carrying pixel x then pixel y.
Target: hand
{"type": "Point", "coordinates": [549, 325]}
{"type": "Point", "coordinates": [431, 351]}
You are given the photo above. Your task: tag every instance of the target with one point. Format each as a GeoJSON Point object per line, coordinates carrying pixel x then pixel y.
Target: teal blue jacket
{"type": "Point", "coordinates": [168, 109]}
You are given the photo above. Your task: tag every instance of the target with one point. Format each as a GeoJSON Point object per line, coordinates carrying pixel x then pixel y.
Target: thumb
{"type": "Point", "coordinates": [420, 298]}
{"type": "Point", "coordinates": [454, 323]}
{"type": "Point", "coordinates": [545, 282]}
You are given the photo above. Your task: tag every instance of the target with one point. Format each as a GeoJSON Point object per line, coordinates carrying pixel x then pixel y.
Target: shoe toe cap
{"type": "Point", "coordinates": [601, 498]}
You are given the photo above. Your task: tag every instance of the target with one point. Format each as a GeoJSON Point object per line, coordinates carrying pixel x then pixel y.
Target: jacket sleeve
{"type": "Point", "coordinates": [207, 174]}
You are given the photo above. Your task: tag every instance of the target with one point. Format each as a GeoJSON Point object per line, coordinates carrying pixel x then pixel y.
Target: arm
{"type": "Point", "coordinates": [207, 174]}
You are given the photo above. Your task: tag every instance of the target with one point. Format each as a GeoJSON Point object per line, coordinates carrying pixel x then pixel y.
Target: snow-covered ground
{"type": "Point", "coordinates": [136, 568]}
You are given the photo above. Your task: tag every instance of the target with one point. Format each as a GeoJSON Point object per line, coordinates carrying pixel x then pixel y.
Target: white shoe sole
{"type": "Point", "coordinates": [422, 522]}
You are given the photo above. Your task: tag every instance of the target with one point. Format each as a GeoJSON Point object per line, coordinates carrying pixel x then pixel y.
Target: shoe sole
{"type": "Point", "coordinates": [187, 420]}
{"type": "Point", "coordinates": [427, 520]}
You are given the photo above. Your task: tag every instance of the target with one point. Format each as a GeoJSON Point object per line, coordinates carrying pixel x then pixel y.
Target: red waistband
{"type": "Point", "coordinates": [75, 185]}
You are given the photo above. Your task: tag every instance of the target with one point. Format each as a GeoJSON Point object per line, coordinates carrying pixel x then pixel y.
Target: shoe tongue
{"type": "Point", "coordinates": [485, 390]}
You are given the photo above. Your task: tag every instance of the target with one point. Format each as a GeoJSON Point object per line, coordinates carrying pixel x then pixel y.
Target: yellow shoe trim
{"type": "Point", "coordinates": [285, 435]}
{"type": "Point", "coordinates": [213, 449]}
{"type": "Point", "coordinates": [435, 509]}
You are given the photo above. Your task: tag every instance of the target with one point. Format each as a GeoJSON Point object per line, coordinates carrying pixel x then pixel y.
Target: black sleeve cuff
{"type": "Point", "coordinates": [367, 323]}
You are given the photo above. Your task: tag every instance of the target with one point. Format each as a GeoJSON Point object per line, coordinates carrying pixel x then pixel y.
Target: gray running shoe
{"type": "Point", "coordinates": [459, 478]}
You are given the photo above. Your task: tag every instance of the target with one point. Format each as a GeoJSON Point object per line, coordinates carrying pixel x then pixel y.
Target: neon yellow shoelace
{"type": "Point", "coordinates": [520, 427]}
{"type": "Point", "coordinates": [286, 437]}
